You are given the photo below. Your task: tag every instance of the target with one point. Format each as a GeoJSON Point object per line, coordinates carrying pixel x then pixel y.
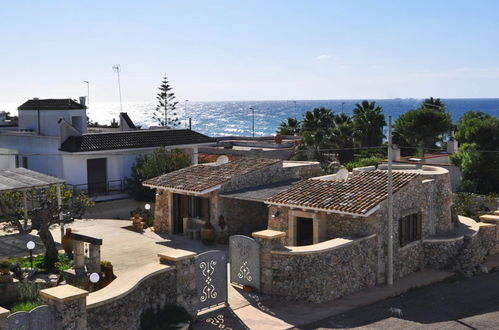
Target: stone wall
{"type": "Point", "coordinates": [442, 253]}
{"type": "Point", "coordinates": [274, 173]}
{"type": "Point", "coordinates": [324, 271]}
{"type": "Point", "coordinates": [124, 312]}
{"type": "Point", "coordinates": [410, 259]}
{"type": "Point", "coordinates": [279, 222]}
{"type": "Point", "coordinates": [339, 225]}
{"type": "Point", "coordinates": [244, 217]}
{"type": "Point", "coordinates": [161, 212]}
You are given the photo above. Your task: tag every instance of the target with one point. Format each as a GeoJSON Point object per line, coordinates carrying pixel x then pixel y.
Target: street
{"type": "Point", "coordinates": [458, 303]}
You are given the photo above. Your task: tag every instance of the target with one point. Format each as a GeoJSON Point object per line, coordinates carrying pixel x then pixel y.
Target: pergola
{"type": "Point", "coordinates": [22, 179]}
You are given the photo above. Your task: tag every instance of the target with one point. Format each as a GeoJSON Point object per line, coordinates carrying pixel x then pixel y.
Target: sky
{"type": "Point", "coordinates": [249, 50]}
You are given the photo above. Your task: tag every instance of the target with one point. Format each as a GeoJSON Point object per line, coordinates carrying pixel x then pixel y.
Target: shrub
{"type": "Point", "coordinates": [29, 291]}
{"type": "Point", "coordinates": [146, 167]}
{"type": "Point", "coordinates": [24, 306]}
{"type": "Point", "coordinates": [361, 162]}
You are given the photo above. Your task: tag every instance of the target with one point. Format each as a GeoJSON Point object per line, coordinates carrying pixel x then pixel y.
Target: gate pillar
{"type": "Point", "coordinates": [3, 318]}
{"type": "Point", "coordinates": [68, 304]}
{"type": "Point", "coordinates": [269, 240]}
{"type": "Point", "coordinates": [184, 262]}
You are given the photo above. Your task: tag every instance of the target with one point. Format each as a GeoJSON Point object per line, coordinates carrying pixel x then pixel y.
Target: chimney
{"type": "Point", "coordinates": [66, 130]}
{"type": "Point", "coordinates": [452, 144]}
{"type": "Point", "coordinates": [126, 124]}
{"type": "Point", "coordinates": [395, 153]}
{"type": "Point", "coordinates": [83, 100]}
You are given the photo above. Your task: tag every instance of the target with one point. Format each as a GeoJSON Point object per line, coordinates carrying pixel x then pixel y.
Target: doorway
{"type": "Point", "coordinates": [304, 231]}
{"type": "Point", "coordinates": [97, 176]}
{"type": "Point", "coordinates": [185, 206]}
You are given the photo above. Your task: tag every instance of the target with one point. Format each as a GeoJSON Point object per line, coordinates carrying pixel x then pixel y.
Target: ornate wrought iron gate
{"type": "Point", "coordinates": [39, 318]}
{"type": "Point", "coordinates": [211, 278]}
{"type": "Point", "coordinates": [244, 255]}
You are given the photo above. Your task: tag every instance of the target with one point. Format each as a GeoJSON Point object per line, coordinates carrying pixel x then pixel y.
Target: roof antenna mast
{"type": "Point", "coordinates": [117, 68]}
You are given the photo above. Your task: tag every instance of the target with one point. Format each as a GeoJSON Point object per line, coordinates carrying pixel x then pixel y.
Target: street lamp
{"type": "Point", "coordinates": [253, 120]}
{"type": "Point", "coordinates": [342, 104]}
{"type": "Point", "coordinates": [88, 91]}
{"type": "Point", "coordinates": [94, 278]}
{"type": "Point", "coordinates": [147, 207]}
{"type": "Point", "coordinates": [185, 113]}
{"type": "Point", "coordinates": [31, 245]}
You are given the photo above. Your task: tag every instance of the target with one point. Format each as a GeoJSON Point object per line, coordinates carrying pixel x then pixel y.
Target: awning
{"type": "Point", "coordinates": [23, 179]}
{"type": "Point", "coordinates": [259, 193]}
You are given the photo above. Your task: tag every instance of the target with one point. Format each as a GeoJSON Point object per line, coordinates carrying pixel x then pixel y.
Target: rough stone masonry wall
{"type": "Point", "coordinates": [161, 211]}
{"type": "Point", "coordinates": [441, 202]}
{"type": "Point", "coordinates": [279, 222]}
{"type": "Point", "coordinates": [271, 174]}
{"type": "Point", "coordinates": [125, 312]}
{"type": "Point", "coordinates": [339, 225]}
{"type": "Point", "coordinates": [244, 217]}
{"type": "Point", "coordinates": [325, 275]}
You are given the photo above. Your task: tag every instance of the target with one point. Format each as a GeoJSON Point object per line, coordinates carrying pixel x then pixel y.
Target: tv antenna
{"type": "Point", "coordinates": [117, 69]}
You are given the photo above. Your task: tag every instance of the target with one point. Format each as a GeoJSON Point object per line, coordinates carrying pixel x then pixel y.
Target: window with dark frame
{"type": "Point", "coordinates": [409, 229]}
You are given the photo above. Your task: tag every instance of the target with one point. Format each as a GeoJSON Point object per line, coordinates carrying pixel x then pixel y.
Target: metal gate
{"type": "Point", "coordinates": [244, 254]}
{"type": "Point", "coordinates": [40, 318]}
{"type": "Point", "coordinates": [211, 279]}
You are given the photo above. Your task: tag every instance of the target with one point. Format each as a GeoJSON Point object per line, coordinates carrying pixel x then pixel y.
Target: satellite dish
{"type": "Point", "coordinates": [222, 160]}
{"type": "Point", "coordinates": [342, 174]}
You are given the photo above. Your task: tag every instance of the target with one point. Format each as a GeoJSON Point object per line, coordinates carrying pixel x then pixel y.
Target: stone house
{"type": "Point", "coordinates": [325, 208]}
{"type": "Point", "coordinates": [233, 191]}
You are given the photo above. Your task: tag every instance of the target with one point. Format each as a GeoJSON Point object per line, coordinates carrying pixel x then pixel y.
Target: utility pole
{"type": "Point", "coordinates": [117, 68]}
{"type": "Point", "coordinates": [185, 113]}
{"type": "Point", "coordinates": [342, 104]}
{"type": "Point", "coordinates": [389, 271]}
{"type": "Point", "coordinates": [295, 108]}
{"type": "Point", "coordinates": [88, 91]}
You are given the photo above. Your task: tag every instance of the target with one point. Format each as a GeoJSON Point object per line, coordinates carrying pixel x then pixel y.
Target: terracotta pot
{"type": "Point", "coordinates": [278, 139]}
{"type": "Point", "coordinates": [5, 270]}
{"type": "Point", "coordinates": [6, 277]}
{"type": "Point", "coordinates": [67, 242]}
{"type": "Point", "coordinates": [208, 236]}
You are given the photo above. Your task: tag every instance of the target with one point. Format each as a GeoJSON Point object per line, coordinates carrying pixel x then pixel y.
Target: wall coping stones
{"type": "Point", "coordinates": [326, 246]}
{"type": "Point", "coordinates": [4, 313]}
{"type": "Point", "coordinates": [410, 245]}
{"type": "Point", "coordinates": [442, 240]}
{"type": "Point", "coordinates": [176, 255]}
{"type": "Point", "coordinates": [489, 218]}
{"type": "Point", "coordinates": [496, 212]}
{"type": "Point", "coordinates": [125, 284]}
{"type": "Point", "coordinates": [268, 234]}
{"type": "Point", "coordinates": [63, 293]}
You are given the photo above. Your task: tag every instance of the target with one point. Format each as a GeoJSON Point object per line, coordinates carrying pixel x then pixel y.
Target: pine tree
{"type": "Point", "coordinates": [165, 113]}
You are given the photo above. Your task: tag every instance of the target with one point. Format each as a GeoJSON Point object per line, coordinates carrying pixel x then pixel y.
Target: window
{"type": "Point", "coordinates": [409, 229]}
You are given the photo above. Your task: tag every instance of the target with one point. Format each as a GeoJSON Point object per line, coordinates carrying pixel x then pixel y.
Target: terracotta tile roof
{"type": "Point", "coordinates": [357, 195]}
{"type": "Point", "coordinates": [50, 104]}
{"type": "Point", "coordinates": [146, 138]}
{"type": "Point", "coordinates": [199, 178]}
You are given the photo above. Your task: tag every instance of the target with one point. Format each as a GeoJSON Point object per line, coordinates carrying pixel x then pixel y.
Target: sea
{"type": "Point", "coordinates": [226, 118]}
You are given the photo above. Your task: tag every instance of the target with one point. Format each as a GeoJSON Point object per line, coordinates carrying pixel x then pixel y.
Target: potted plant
{"type": "Point", "coordinates": [278, 139]}
{"type": "Point", "coordinates": [67, 242]}
{"type": "Point", "coordinates": [208, 233]}
{"type": "Point", "coordinates": [5, 267]}
{"type": "Point", "coordinates": [5, 274]}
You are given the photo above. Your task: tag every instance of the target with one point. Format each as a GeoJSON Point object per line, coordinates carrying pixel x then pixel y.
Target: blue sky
{"type": "Point", "coordinates": [249, 50]}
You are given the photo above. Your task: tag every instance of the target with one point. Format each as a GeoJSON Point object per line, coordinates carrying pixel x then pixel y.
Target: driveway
{"type": "Point", "coordinates": [471, 303]}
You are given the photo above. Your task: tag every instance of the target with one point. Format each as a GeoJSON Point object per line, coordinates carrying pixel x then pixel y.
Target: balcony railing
{"type": "Point", "coordinates": [99, 188]}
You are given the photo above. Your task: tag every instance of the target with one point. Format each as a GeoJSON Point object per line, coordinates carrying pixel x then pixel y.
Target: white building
{"type": "Point", "coordinates": [52, 138]}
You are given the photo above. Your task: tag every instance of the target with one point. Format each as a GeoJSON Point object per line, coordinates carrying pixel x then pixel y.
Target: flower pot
{"type": "Point", "coordinates": [208, 236]}
{"type": "Point", "coordinates": [6, 277]}
{"type": "Point", "coordinates": [278, 139]}
{"type": "Point", "coordinates": [5, 270]}
{"type": "Point", "coordinates": [67, 242]}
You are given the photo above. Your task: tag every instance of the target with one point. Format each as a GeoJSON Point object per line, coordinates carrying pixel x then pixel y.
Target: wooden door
{"type": "Point", "coordinates": [97, 176]}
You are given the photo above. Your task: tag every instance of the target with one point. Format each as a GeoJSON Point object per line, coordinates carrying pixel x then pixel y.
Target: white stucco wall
{"type": "Point", "coordinates": [7, 158]}
{"type": "Point", "coordinates": [28, 120]}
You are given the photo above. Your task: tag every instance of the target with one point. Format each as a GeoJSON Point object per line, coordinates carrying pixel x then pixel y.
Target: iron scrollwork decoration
{"type": "Point", "coordinates": [211, 278]}
{"type": "Point", "coordinates": [244, 261]}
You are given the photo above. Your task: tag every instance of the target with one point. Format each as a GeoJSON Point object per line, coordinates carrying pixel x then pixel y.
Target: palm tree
{"type": "Point", "coordinates": [342, 131]}
{"type": "Point", "coordinates": [368, 122]}
{"type": "Point", "coordinates": [290, 127]}
{"type": "Point", "coordinates": [434, 104]}
{"type": "Point", "coordinates": [319, 119]}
